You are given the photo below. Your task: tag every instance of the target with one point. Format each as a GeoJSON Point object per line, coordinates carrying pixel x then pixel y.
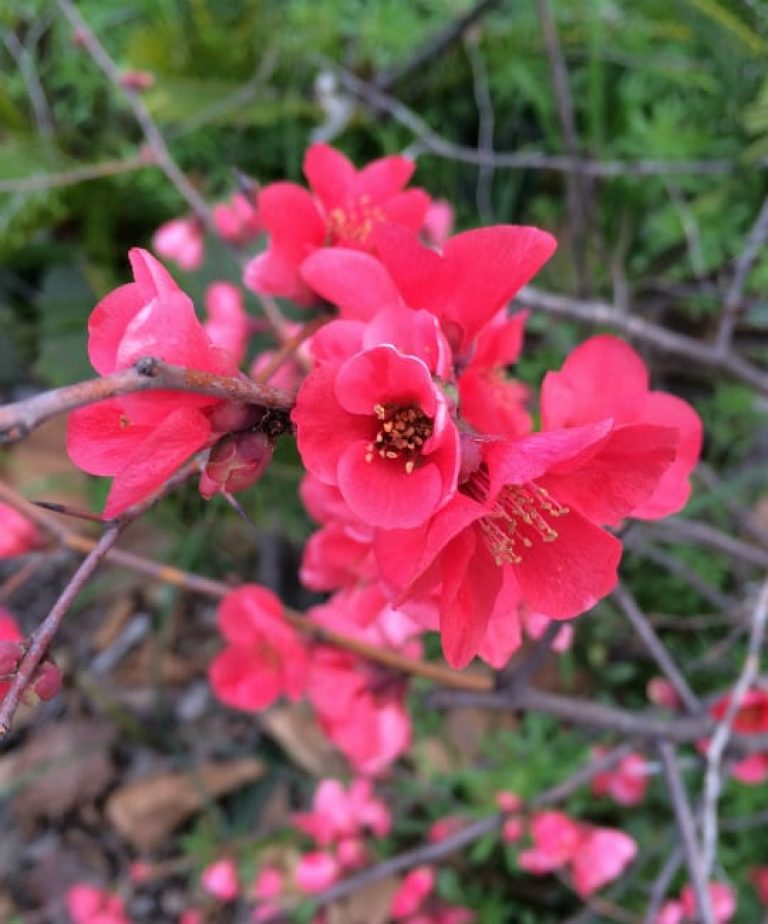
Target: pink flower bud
{"type": "Point", "coordinates": [662, 693]}
{"type": "Point", "coordinates": [220, 879]}
{"type": "Point", "coordinates": [351, 853]}
{"type": "Point", "coordinates": [236, 462]}
{"type": "Point", "coordinates": [47, 681]}
{"type": "Point", "coordinates": [512, 830]}
{"type": "Point", "coordinates": [268, 883]}
{"type": "Point", "coordinates": [316, 871]}
{"type": "Point", "coordinates": [507, 801]}
{"type": "Point", "coordinates": [137, 80]}
{"type": "Point", "coordinates": [413, 890]}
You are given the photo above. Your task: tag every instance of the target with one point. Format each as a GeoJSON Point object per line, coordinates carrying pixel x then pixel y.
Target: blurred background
{"type": "Point", "coordinates": [636, 131]}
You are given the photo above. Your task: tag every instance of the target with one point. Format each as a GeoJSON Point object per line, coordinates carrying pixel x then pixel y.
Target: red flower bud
{"type": "Point", "coordinates": [236, 462]}
{"type": "Point", "coordinates": [45, 684]}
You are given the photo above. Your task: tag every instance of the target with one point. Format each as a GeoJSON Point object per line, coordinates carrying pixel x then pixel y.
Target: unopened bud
{"type": "Point", "coordinates": [236, 462]}
{"type": "Point", "coordinates": [661, 692]}
{"type": "Point", "coordinates": [45, 684]}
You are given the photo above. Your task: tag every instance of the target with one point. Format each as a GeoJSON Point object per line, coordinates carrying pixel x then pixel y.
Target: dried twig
{"type": "Point", "coordinates": [685, 825]}
{"type": "Point", "coordinates": [78, 174]}
{"type": "Point", "coordinates": [148, 374]}
{"type": "Point", "coordinates": [713, 780]}
{"type": "Point", "coordinates": [154, 138]}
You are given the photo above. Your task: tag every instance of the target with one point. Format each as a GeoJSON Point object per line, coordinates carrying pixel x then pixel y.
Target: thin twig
{"type": "Point", "coordinates": [734, 297]}
{"type": "Point", "coordinates": [713, 780]}
{"type": "Point", "coordinates": [521, 676]}
{"type": "Point", "coordinates": [148, 374]}
{"type": "Point", "coordinates": [152, 134]}
{"type": "Point", "coordinates": [574, 186]}
{"type": "Point", "coordinates": [687, 830]}
{"type": "Point", "coordinates": [25, 63]}
{"type": "Point", "coordinates": [439, 146]}
{"type": "Point", "coordinates": [96, 171]}
{"type": "Point", "coordinates": [600, 313]}
{"type": "Point", "coordinates": [435, 46]}
{"type": "Point", "coordinates": [485, 125]}
{"type": "Point", "coordinates": [661, 885]}
{"type": "Point", "coordinates": [656, 648]}
{"type": "Point", "coordinates": [44, 634]}
{"type": "Point", "coordinates": [679, 529]}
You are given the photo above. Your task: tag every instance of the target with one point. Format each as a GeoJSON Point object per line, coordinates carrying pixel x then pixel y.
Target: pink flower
{"type": "Point", "coordinates": [671, 912]}
{"type": "Point", "coordinates": [137, 80]}
{"type": "Point", "coordinates": [512, 830]}
{"type": "Point", "coordinates": [379, 429]}
{"type": "Point", "coordinates": [268, 883]}
{"type": "Point", "coordinates": [445, 827]}
{"type": "Point", "coordinates": [603, 855]}
{"type": "Point", "coordinates": [556, 839]}
{"type": "Point", "coordinates": [412, 891]}
{"type": "Point", "coordinates": [17, 534]}
{"type": "Point", "coordinates": [464, 287]}
{"type": "Point", "coordinates": [221, 880]}
{"type": "Point", "coordinates": [142, 439]}
{"type": "Point", "coordinates": [88, 905]}
{"type": "Point", "coordinates": [661, 692]}
{"type": "Point", "coordinates": [438, 223]}
{"type": "Point", "coordinates": [265, 657]}
{"type": "Point", "coordinates": [316, 871]}
{"type": "Point", "coordinates": [522, 528]}
{"type": "Point", "coordinates": [191, 916]}
{"type": "Point", "coordinates": [626, 783]}
{"type": "Point", "coordinates": [338, 813]}
{"type": "Point", "coordinates": [759, 876]}
{"type": "Point", "coordinates": [11, 649]}
{"type": "Point", "coordinates": [343, 209]}
{"type": "Point", "coordinates": [751, 719]}
{"type": "Point", "coordinates": [605, 378]}
{"type": "Point", "coordinates": [180, 240]}
{"type": "Point", "coordinates": [227, 324]}
{"type": "Point", "coordinates": [238, 220]}
{"type": "Point", "coordinates": [721, 897]}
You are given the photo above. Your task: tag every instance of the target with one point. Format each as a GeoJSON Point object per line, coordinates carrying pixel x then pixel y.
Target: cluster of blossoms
{"type": "Point", "coordinates": [684, 910]}
{"type": "Point", "coordinates": [594, 856]}
{"type": "Point", "coordinates": [439, 506]}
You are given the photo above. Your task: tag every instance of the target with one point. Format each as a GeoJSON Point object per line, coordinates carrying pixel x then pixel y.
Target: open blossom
{"type": "Point", "coordinates": [11, 649]}
{"type": "Point", "coordinates": [626, 783]}
{"type": "Point", "coordinates": [604, 377]}
{"type": "Point", "coordinates": [378, 428]}
{"type": "Point", "coordinates": [751, 719]}
{"type": "Point", "coordinates": [316, 871]}
{"type": "Point", "coordinates": [238, 220]}
{"type": "Point", "coordinates": [412, 891]}
{"type": "Point", "coordinates": [264, 659]}
{"type": "Point", "coordinates": [17, 534]}
{"type": "Point", "coordinates": [180, 240]}
{"type": "Point", "coordinates": [596, 856]}
{"type": "Point", "coordinates": [87, 904]}
{"type": "Point", "coordinates": [227, 323]}
{"type": "Point", "coordinates": [343, 209]}
{"type": "Point", "coordinates": [523, 528]}
{"type": "Point", "coordinates": [141, 439]}
{"type": "Point", "coordinates": [221, 880]}
{"type": "Point", "coordinates": [683, 910]}
{"type": "Point", "coordinates": [339, 814]}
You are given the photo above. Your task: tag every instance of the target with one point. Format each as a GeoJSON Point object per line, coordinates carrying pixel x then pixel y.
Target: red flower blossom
{"type": "Point", "coordinates": [11, 649]}
{"type": "Point", "coordinates": [87, 904]}
{"type": "Point", "coordinates": [342, 210]}
{"type": "Point", "coordinates": [626, 783]}
{"type": "Point", "coordinates": [379, 429]}
{"type": "Point", "coordinates": [17, 534]}
{"type": "Point", "coordinates": [523, 529]}
{"type": "Point", "coordinates": [238, 220]}
{"type": "Point", "coordinates": [464, 287]}
{"type": "Point", "coordinates": [412, 891]}
{"type": "Point", "coordinates": [603, 855]}
{"type": "Point", "coordinates": [227, 324]}
{"type": "Point", "coordinates": [221, 879]}
{"type": "Point", "coordinates": [180, 240]}
{"type": "Point", "coordinates": [750, 719]}
{"type": "Point", "coordinates": [265, 658]}
{"type": "Point", "coordinates": [605, 378]}
{"type": "Point", "coordinates": [142, 439]}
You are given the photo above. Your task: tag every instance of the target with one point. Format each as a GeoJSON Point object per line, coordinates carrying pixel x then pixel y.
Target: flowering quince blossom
{"type": "Point", "coordinates": [596, 856]}
{"type": "Point", "coordinates": [180, 240]}
{"type": "Point", "coordinates": [87, 904]}
{"type": "Point", "coordinates": [683, 911]}
{"type": "Point", "coordinates": [626, 783]}
{"type": "Point", "coordinates": [17, 534]}
{"type": "Point", "coordinates": [11, 649]}
{"type": "Point", "coordinates": [338, 814]}
{"type": "Point", "coordinates": [344, 207]}
{"type": "Point", "coordinates": [238, 220]}
{"type": "Point", "coordinates": [142, 439]}
{"type": "Point", "coordinates": [264, 659]}
{"type": "Point", "coordinates": [316, 871]}
{"type": "Point", "coordinates": [751, 719]}
{"type": "Point", "coordinates": [221, 880]}
{"type": "Point", "coordinates": [379, 429]}
{"type": "Point", "coordinates": [412, 891]}
{"type": "Point", "coordinates": [227, 324]}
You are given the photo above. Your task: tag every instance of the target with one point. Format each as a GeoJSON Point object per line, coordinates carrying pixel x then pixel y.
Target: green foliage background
{"type": "Point", "coordinates": [650, 79]}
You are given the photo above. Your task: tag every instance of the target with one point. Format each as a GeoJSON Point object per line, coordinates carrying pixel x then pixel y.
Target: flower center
{"type": "Point", "coordinates": [402, 433]}
{"type": "Point", "coordinates": [520, 516]}
{"type": "Point", "coordinates": [354, 221]}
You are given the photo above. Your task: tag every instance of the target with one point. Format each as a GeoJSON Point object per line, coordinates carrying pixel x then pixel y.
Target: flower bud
{"type": "Point", "coordinates": [44, 685]}
{"type": "Point", "coordinates": [236, 462]}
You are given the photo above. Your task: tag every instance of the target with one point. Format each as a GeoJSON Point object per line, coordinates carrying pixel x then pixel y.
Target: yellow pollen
{"type": "Point", "coordinates": [402, 434]}
{"type": "Point", "coordinates": [353, 222]}
{"type": "Point", "coordinates": [520, 516]}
